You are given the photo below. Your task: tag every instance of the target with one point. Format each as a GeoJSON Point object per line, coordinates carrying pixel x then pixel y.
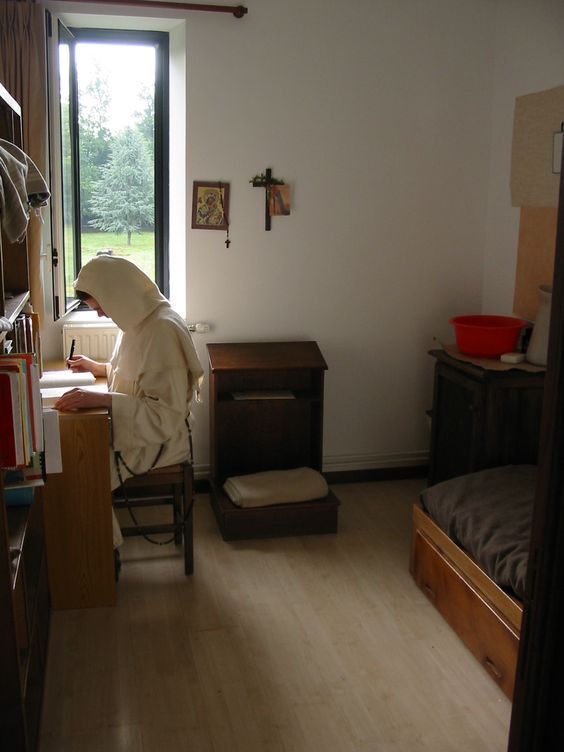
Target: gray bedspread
{"type": "Point", "coordinates": [489, 514]}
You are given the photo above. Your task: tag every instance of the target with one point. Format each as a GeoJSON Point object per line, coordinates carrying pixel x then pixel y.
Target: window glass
{"type": "Point", "coordinates": [69, 235]}
{"type": "Point", "coordinates": [113, 137]}
{"type": "Point", "coordinates": [116, 106]}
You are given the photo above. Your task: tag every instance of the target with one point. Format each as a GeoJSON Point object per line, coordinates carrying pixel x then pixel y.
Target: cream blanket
{"type": "Point", "coordinates": [276, 487]}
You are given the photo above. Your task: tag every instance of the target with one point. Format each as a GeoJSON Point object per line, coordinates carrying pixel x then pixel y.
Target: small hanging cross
{"type": "Point", "coordinates": [266, 181]}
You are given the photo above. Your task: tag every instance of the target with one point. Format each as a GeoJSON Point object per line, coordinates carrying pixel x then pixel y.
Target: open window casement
{"type": "Point", "coordinates": [65, 203]}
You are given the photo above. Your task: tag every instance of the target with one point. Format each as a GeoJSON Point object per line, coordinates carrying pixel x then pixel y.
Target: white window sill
{"type": "Point", "coordinates": [86, 317]}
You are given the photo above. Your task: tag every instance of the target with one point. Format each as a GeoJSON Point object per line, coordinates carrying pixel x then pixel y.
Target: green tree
{"type": "Point", "coordinates": [94, 138]}
{"type": "Point", "coordinates": [123, 198]}
{"type": "Point", "coordinates": [145, 118]}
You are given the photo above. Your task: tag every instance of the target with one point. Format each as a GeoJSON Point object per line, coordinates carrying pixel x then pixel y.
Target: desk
{"type": "Point", "coordinates": [78, 520]}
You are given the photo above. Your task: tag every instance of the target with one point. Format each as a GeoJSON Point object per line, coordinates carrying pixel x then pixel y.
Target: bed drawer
{"type": "Point", "coordinates": [492, 641]}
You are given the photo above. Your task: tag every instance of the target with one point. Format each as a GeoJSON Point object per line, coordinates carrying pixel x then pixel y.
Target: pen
{"type": "Point", "coordinates": [71, 351]}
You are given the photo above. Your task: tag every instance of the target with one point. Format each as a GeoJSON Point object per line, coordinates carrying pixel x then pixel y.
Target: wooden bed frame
{"type": "Point", "coordinates": [484, 616]}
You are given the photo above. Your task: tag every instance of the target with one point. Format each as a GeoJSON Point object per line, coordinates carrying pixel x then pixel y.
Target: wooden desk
{"type": "Point", "coordinates": [78, 520]}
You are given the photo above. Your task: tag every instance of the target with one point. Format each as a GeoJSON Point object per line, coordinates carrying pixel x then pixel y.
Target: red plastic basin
{"type": "Point", "coordinates": [487, 336]}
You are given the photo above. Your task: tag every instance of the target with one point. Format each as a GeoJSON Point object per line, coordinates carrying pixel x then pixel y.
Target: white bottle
{"type": "Point", "coordinates": [538, 345]}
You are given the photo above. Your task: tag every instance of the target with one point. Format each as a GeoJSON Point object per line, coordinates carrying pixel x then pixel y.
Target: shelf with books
{"type": "Point", "coordinates": [21, 414]}
{"type": "Point", "coordinates": [24, 587]}
{"type": "Point", "coordinates": [14, 305]}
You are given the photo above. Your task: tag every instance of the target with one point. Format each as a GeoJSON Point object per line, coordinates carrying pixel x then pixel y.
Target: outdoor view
{"type": "Point", "coordinates": [116, 152]}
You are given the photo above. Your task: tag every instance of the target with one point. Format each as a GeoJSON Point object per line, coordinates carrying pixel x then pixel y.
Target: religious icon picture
{"type": "Point", "coordinates": [279, 201]}
{"type": "Point", "coordinates": [210, 206]}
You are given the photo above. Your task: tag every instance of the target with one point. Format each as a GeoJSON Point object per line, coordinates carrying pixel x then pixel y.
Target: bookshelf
{"type": "Point", "coordinates": [24, 588]}
{"type": "Point", "coordinates": [14, 270]}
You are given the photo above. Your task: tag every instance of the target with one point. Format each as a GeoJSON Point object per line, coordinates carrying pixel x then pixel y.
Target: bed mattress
{"type": "Point", "coordinates": [488, 513]}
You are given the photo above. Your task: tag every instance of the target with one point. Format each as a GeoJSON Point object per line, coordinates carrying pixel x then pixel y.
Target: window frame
{"type": "Point", "coordinates": [160, 41]}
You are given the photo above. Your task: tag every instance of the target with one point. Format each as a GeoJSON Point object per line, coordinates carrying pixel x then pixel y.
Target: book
{"type": "Point", "coordinates": [66, 378]}
{"type": "Point", "coordinates": [53, 455]}
{"type": "Point", "coordinates": [12, 452]}
{"type": "Point", "coordinates": [19, 497]}
{"type": "Point", "coordinates": [51, 394]}
{"type": "Point", "coordinates": [36, 340]}
{"type": "Point", "coordinates": [33, 408]}
{"type": "Point", "coordinates": [36, 409]}
{"type": "Point", "coordinates": [18, 367]}
{"type": "Point", "coordinates": [30, 475]}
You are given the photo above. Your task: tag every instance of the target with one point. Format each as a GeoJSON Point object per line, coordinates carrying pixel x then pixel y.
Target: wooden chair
{"type": "Point", "coordinates": [171, 485]}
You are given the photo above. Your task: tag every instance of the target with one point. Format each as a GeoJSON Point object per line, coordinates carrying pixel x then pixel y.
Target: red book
{"type": "Point", "coordinates": [33, 395]}
{"type": "Point", "coordinates": [18, 366]}
{"type": "Point", "coordinates": [11, 434]}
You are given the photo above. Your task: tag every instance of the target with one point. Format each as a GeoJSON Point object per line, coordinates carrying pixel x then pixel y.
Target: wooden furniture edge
{"type": "Point", "coordinates": [509, 610]}
{"type": "Point", "coordinates": [318, 516]}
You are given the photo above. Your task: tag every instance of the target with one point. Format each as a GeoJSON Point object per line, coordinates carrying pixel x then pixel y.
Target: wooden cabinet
{"type": "Point", "coordinates": [266, 413]}
{"type": "Point", "coordinates": [482, 418]}
{"type": "Point", "coordinates": [24, 589]}
{"type": "Point", "coordinates": [24, 624]}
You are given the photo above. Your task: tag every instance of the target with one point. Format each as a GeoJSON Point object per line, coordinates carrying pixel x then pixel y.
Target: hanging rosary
{"type": "Point", "coordinates": [225, 219]}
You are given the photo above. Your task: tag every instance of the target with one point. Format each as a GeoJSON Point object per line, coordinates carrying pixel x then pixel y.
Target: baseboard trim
{"type": "Point", "coordinates": [376, 474]}
{"type": "Point", "coordinates": [372, 467]}
{"type": "Point", "coordinates": [346, 462]}
{"type": "Point", "coordinates": [353, 468]}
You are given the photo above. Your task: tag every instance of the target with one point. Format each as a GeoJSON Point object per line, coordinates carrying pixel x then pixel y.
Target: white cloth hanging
{"type": "Point", "coordinates": [22, 187]}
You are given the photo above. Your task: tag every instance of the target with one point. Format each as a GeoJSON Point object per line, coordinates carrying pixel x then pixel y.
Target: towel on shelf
{"type": "Point", "coordinates": [21, 186]}
{"type": "Point", "coordinates": [276, 487]}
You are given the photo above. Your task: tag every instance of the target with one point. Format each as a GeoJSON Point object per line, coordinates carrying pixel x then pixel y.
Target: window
{"type": "Point", "coordinates": [112, 153]}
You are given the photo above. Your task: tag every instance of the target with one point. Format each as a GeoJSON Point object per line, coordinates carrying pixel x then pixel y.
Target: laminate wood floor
{"type": "Point", "coordinates": [280, 645]}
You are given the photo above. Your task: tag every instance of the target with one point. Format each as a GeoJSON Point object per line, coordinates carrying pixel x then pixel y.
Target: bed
{"type": "Point", "coordinates": [469, 553]}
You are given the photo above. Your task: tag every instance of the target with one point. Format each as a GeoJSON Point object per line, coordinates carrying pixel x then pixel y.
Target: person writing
{"type": "Point", "coordinates": [153, 374]}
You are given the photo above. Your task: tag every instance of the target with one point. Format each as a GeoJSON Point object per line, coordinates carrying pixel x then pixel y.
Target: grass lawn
{"type": "Point", "coordinates": [141, 251]}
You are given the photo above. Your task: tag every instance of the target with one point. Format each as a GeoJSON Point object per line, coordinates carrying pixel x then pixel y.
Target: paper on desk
{"type": "Point", "coordinates": [53, 457]}
{"type": "Point", "coordinates": [54, 392]}
{"type": "Point", "coordinates": [66, 378]}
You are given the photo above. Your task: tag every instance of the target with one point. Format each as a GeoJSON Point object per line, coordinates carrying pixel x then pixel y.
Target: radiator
{"type": "Point", "coordinates": [95, 339]}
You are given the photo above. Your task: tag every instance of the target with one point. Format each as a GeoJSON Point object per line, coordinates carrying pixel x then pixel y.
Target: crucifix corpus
{"type": "Point", "coordinates": [266, 181]}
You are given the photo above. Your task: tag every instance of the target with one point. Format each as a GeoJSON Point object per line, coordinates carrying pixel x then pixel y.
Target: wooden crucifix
{"type": "Point", "coordinates": [266, 181]}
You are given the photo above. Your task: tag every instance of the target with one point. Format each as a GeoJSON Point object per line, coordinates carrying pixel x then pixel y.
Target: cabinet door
{"type": "Point", "coordinates": [458, 405]}
{"type": "Point", "coordinates": [511, 430]}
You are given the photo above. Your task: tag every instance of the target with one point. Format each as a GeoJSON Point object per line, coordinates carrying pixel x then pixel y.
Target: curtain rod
{"type": "Point", "coordinates": [237, 10]}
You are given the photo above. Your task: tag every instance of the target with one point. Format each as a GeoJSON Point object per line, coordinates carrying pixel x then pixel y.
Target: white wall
{"type": "Point", "coordinates": [378, 113]}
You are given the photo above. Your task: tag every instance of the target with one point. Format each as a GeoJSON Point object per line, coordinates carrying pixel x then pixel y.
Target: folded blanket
{"type": "Point", "coordinates": [276, 487]}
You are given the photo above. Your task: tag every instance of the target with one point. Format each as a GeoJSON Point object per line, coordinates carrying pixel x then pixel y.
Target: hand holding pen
{"type": "Point", "coordinates": [73, 343]}
{"type": "Point", "coordinates": [82, 363]}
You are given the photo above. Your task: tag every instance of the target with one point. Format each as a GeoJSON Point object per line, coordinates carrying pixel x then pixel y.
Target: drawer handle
{"type": "Point", "coordinates": [429, 592]}
{"type": "Point", "coordinates": [492, 668]}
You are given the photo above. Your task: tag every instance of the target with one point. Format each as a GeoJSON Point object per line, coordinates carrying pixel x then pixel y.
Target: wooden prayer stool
{"type": "Point", "coordinates": [266, 413]}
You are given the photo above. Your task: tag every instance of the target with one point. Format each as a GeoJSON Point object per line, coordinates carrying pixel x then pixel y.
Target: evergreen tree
{"type": "Point", "coordinates": [94, 139]}
{"type": "Point", "coordinates": [123, 198]}
{"type": "Point", "coordinates": [145, 118]}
